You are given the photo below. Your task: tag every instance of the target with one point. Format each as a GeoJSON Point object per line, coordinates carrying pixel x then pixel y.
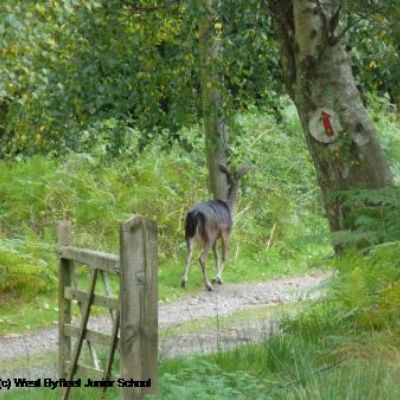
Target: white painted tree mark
{"type": "Point", "coordinates": [324, 125]}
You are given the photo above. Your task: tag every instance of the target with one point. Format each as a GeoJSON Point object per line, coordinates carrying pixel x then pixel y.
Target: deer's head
{"type": "Point", "coordinates": [233, 178]}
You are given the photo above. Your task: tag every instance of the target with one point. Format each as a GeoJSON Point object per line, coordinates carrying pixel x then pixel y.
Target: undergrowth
{"type": "Point", "coordinates": [366, 291]}
{"type": "Point", "coordinates": [344, 346]}
{"type": "Point", "coordinates": [280, 225]}
{"type": "Point", "coordinates": [279, 229]}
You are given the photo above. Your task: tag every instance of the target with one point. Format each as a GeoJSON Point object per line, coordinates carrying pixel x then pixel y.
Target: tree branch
{"type": "Point", "coordinates": [361, 17]}
{"type": "Point", "coordinates": [323, 14]}
{"type": "Point", "coordinates": [330, 22]}
{"type": "Point", "coordinates": [149, 9]}
{"type": "Point", "coordinates": [335, 20]}
{"type": "Point", "coordinates": [349, 26]}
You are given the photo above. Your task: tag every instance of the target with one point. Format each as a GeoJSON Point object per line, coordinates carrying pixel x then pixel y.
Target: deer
{"type": "Point", "coordinates": [208, 221]}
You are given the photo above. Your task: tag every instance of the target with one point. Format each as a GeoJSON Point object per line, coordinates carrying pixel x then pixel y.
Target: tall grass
{"type": "Point", "coordinates": [318, 357]}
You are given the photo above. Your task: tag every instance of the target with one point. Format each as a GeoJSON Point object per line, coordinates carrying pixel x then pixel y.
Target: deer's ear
{"type": "Point", "coordinates": [223, 168]}
{"type": "Point", "coordinates": [244, 170]}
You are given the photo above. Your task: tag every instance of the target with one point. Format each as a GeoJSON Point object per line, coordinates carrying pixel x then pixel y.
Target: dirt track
{"type": "Point", "coordinates": [224, 300]}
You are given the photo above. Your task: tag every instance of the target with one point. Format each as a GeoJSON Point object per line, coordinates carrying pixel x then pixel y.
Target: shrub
{"type": "Point", "coordinates": [22, 273]}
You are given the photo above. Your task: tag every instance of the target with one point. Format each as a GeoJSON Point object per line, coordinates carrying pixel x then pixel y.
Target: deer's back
{"type": "Point", "coordinates": [214, 218]}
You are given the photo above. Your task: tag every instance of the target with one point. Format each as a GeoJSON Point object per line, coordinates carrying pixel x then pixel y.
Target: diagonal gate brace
{"type": "Point", "coordinates": [82, 330]}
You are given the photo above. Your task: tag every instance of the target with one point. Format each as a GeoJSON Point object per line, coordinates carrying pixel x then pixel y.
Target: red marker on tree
{"type": "Point", "coordinates": [327, 123]}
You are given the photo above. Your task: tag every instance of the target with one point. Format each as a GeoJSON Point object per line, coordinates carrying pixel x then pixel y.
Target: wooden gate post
{"type": "Point", "coordinates": [64, 238]}
{"type": "Point", "coordinates": [139, 308]}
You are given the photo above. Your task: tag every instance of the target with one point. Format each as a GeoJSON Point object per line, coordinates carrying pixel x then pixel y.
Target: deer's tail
{"type": "Point", "coordinates": [194, 224]}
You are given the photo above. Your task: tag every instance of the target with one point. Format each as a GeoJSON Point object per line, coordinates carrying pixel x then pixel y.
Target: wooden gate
{"type": "Point", "coordinates": [132, 312]}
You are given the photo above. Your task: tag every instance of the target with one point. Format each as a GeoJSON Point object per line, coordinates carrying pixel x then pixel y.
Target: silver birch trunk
{"type": "Point", "coordinates": [318, 76]}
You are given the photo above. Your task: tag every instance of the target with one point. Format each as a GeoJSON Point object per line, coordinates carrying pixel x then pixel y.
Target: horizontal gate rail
{"type": "Point", "coordinates": [85, 370]}
{"type": "Point", "coordinates": [71, 293]}
{"type": "Point", "coordinates": [91, 258]}
{"type": "Point", "coordinates": [94, 336]}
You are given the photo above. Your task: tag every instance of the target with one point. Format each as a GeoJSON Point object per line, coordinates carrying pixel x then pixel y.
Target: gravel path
{"type": "Point", "coordinates": [224, 300]}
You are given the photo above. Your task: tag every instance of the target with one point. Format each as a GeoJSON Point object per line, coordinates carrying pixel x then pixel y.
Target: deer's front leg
{"type": "Point", "coordinates": [202, 262]}
{"type": "Point", "coordinates": [222, 265]}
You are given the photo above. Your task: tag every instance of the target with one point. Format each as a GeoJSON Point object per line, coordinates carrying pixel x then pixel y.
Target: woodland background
{"type": "Point", "coordinates": [102, 111]}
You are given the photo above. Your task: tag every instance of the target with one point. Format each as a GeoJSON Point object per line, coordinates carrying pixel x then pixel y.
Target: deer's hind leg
{"type": "Point", "coordinates": [217, 262]}
{"type": "Point", "coordinates": [190, 244]}
{"type": "Point", "coordinates": [202, 261]}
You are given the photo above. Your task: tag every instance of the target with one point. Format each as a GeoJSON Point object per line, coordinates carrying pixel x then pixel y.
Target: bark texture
{"type": "Point", "coordinates": [211, 82]}
{"type": "Point", "coordinates": [318, 75]}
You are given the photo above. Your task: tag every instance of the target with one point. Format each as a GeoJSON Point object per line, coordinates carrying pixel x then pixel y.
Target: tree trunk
{"type": "Point", "coordinates": [211, 83]}
{"type": "Point", "coordinates": [4, 102]}
{"type": "Point", "coordinates": [319, 77]}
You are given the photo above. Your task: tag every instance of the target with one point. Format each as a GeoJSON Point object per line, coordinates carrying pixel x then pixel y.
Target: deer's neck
{"type": "Point", "coordinates": [231, 197]}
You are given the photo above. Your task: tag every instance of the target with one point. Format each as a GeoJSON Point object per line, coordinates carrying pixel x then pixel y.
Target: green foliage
{"type": "Point", "coordinates": [367, 290]}
{"type": "Point", "coordinates": [374, 35]}
{"type": "Point", "coordinates": [251, 61]}
{"type": "Point", "coordinates": [277, 224]}
{"type": "Point", "coordinates": [201, 379]}
{"type": "Point", "coordinates": [50, 394]}
{"type": "Point", "coordinates": [287, 203]}
{"type": "Point", "coordinates": [70, 69]}
{"type": "Point", "coordinates": [22, 272]}
{"type": "Point", "coordinates": [317, 357]}
{"type": "Point", "coordinates": [374, 216]}
{"type": "Point", "coordinates": [387, 126]}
